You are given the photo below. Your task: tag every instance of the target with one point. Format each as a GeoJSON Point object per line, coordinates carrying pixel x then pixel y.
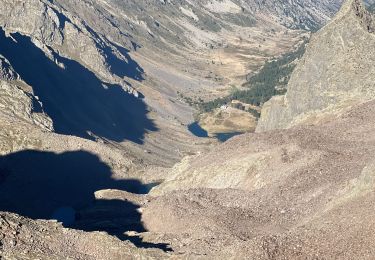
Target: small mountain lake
{"type": "Point", "coordinates": [197, 130]}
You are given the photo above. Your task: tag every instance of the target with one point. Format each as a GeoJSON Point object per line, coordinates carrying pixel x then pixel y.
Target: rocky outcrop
{"type": "Point", "coordinates": [52, 28]}
{"type": "Point", "coordinates": [19, 103]}
{"type": "Point", "coordinates": [336, 72]}
{"type": "Point", "coordinates": [7, 73]}
{"type": "Point", "coordinates": [300, 14]}
{"type": "Point", "coordinates": [22, 238]}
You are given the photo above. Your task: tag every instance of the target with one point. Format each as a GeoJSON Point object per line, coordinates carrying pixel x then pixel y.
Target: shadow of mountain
{"type": "Point", "coordinates": [115, 217]}
{"type": "Point", "coordinates": [130, 68]}
{"type": "Point", "coordinates": [77, 101]}
{"type": "Point", "coordinates": [44, 185]}
{"type": "Point", "coordinates": [136, 72]}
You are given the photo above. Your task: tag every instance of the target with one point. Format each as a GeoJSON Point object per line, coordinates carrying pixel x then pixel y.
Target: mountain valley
{"type": "Point", "coordinates": [97, 98]}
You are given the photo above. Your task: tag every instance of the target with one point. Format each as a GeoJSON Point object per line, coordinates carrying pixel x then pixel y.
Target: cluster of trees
{"type": "Point", "coordinates": [371, 8]}
{"type": "Point", "coordinates": [268, 82]}
{"type": "Point", "coordinates": [254, 112]}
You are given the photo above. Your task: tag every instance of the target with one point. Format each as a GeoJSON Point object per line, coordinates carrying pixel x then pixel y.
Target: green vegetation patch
{"type": "Point", "coordinates": [270, 81]}
{"type": "Point", "coordinates": [371, 8]}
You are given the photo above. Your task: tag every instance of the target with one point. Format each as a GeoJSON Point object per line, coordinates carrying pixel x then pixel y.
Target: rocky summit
{"type": "Point", "coordinates": [104, 107]}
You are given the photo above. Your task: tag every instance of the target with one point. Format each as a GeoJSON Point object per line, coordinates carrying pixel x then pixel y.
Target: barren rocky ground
{"type": "Point", "coordinates": [97, 161]}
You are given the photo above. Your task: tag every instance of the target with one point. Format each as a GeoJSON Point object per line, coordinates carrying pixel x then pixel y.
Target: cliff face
{"type": "Point", "coordinates": [58, 74]}
{"type": "Point", "coordinates": [54, 29]}
{"type": "Point", "coordinates": [302, 14]}
{"type": "Point", "coordinates": [335, 72]}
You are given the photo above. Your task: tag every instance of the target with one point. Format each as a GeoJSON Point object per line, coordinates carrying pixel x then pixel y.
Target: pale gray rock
{"type": "Point", "coordinates": [52, 28]}
{"type": "Point", "coordinates": [22, 238]}
{"type": "Point", "coordinates": [15, 102]}
{"type": "Point", "coordinates": [18, 103]}
{"type": "Point", "coordinates": [336, 72]}
{"type": "Point", "coordinates": [6, 71]}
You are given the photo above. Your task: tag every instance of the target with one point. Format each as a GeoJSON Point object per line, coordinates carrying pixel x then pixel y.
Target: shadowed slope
{"type": "Point", "coordinates": [44, 185]}
{"type": "Point", "coordinates": [35, 184]}
{"type": "Point", "coordinates": [77, 101]}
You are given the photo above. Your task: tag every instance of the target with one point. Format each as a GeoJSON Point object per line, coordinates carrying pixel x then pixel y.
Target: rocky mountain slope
{"type": "Point", "coordinates": [298, 14]}
{"type": "Point", "coordinates": [89, 111]}
{"type": "Point", "coordinates": [25, 239]}
{"type": "Point", "coordinates": [112, 48]}
{"type": "Point", "coordinates": [321, 83]}
{"type": "Point", "coordinates": [300, 193]}
{"type": "Point", "coordinates": [294, 194]}
{"type": "Point", "coordinates": [309, 196]}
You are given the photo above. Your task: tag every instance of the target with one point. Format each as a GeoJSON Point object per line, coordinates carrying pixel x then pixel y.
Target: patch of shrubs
{"type": "Point", "coordinates": [270, 81]}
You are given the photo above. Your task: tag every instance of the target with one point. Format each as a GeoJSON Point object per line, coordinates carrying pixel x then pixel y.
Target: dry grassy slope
{"type": "Point", "coordinates": [227, 120]}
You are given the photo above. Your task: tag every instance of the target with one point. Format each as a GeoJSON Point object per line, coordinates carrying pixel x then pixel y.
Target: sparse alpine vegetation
{"type": "Point", "coordinates": [270, 81]}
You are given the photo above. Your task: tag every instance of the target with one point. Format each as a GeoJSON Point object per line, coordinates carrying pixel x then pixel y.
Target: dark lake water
{"type": "Point", "coordinates": [197, 130]}
{"type": "Point", "coordinates": [222, 137]}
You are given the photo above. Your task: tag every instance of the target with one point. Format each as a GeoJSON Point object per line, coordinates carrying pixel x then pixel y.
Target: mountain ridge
{"type": "Point", "coordinates": [302, 192]}
{"type": "Point", "coordinates": [328, 88]}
